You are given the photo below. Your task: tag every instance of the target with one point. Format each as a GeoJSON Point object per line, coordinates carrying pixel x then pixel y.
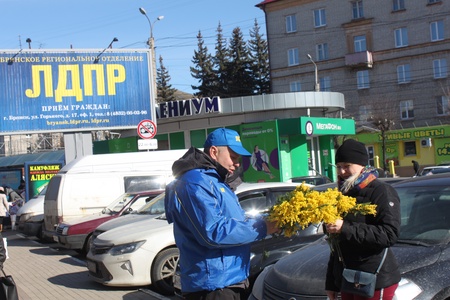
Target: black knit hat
{"type": "Point", "coordinates": [352, 151]}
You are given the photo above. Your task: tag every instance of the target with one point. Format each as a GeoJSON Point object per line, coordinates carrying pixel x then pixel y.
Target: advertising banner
{"type": "Point", "coordinates": [45, 91]}
{"type": "Point", "coordinates": [38, 175]}
{"type": "Point", "coordinates": [10, 178]}
{"type": "Point", "coordinates": [260, 139]}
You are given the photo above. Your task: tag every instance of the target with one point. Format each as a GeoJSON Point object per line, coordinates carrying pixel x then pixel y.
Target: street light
{"type": "Point", "coordinates": [109, 47]}
{"type": "Point", "coordinates": [151, 45]}
{"type": "Point", "coordinates": [316, 84]}
{"type": "Point", "coordinates": [29, 43]}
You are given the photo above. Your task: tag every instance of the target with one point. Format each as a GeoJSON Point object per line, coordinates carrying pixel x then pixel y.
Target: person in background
{"type": "Point", "coordinates": [211, 229]}
{"type": "Point", "coordinates": [416, 167]}
{"type": "Point", "coordinates": [363, 238]}
{"type": "Point", "coordinates": [4, 207]}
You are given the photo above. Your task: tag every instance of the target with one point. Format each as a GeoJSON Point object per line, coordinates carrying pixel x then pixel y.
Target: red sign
{"type": "Point", "coordinates": [146, 129]}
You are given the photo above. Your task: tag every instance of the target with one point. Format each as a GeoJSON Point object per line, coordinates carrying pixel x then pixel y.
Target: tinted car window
{"type": "Point", "coordinates": [425, 215]}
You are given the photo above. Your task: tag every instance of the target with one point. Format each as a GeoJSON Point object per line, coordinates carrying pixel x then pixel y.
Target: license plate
{"type": "Point", "coordinates": [92, 266]}
{"type": "Point", "coordinates": [55, 238]}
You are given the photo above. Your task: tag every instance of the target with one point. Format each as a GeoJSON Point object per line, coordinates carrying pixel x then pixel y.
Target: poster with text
{"type": "Point", "coordinates": [38, 175]}
{"type": "Point", "coordinates": [260, 139]}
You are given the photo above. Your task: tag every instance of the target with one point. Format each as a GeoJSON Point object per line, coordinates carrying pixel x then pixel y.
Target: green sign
{"type": "Point", "coordinates": [326, 126]}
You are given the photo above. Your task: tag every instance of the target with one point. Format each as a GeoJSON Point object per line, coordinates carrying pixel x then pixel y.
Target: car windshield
{"type": "Point", "coordinates": [118, 204]}
{"type": "Point", "coordinates": [425, 214]}
{"type": "Point", "coordinates": [154, 207]}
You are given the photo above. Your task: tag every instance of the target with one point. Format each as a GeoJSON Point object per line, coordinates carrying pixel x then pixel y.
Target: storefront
{"type": "Point", "coordinates": [426, 145]}
{"type": "Point", "coordinates": [287, 133]}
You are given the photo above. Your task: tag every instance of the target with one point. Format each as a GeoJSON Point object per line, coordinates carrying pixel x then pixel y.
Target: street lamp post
{"type": "Point", "coordinates": [316, 75]}
{"type": "Point", "coordinates": [151, 45]}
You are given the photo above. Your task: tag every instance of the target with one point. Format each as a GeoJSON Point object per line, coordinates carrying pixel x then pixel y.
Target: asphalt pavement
{"type": "Point", "coordinates": [42, 271]}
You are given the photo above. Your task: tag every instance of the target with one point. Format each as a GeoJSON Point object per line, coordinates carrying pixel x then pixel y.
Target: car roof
{"type": "Point", "coordinates": [434, 180]}
{"type": "Point", "coordinates": [436, 167]}
{"type": "Point", "coordinates": [245, 186]}
{"type": "Point", "coordinates": [331, 185]}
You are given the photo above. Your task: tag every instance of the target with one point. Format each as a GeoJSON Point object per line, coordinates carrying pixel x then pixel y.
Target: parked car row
{"type": "Point", "coordinates": [142, 252]}
{"type": "Point", "coordinates": [77, 233]}
{"type": "Point", "coordinates": [423, 250]}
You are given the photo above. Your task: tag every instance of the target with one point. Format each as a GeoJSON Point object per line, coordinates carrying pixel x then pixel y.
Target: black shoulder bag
{"type": "Point", "coordinates": [359, 282]}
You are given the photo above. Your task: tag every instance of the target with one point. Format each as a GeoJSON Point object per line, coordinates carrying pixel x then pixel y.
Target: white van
{"type": "Point", "coordinates": [88, 184]}
{"type": "Point", "coordinates": [31, 215]}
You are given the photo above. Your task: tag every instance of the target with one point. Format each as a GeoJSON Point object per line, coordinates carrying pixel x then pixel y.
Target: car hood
{"type": "Point", "coordinates": [124, 220]}
{"type": "Point", "coordinates": [136, 231]}
{"type": "Point", "coordinates": [87, 218]}
{"type": "Point", "coordinates": [34, 205]}
{"type": "Point", "coordinates": [304, 271]}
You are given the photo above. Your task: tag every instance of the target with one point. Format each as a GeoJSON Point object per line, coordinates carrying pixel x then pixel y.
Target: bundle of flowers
{"type": "Point", "coordinates": [304, 206]}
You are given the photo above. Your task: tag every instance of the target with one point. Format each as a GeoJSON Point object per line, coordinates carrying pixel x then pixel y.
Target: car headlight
{"type": "Point", "coordinates": [126, 248]}
{"type": "Point", "coordinates": [65, 229]}
{"type": "Point", "coordinates": [258, 286]}
{"type": "Point", "coordinates": [25, 217]}
{"type": "Point", "coordinates": [407, 290]}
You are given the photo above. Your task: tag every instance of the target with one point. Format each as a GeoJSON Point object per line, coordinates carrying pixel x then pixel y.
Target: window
{"type": "Point", "coordinates": [295, 86]}
{"type": "Point", "coordinates": [398, 5]}
{"type": "Point", "coordinates": [364, 113]}
{"type": "Point", "coordinates": [440, 68]}
{"type": "Point", "coordinates": [362, 78]}
{"type": "Point", "coordinates": [319, 18]}
{"type": "Point", "coordinates": [359, 43]}
{"type": "Point", "coordinates": [437, 31]}
{"type": "Point", "coordinates": [401, 37]}
{"type": "Point", "coordinates": [443, 105]}
{"type": "Point", "coordinates": [325, 84]}
{"type": "Point", "coordinates": [293, 57]}
{"type": "Point", "coordinates": [357, 9]}
{"type": "Point", "coordinates": [406, 109]}
{"type": "Point", "coordinates": [433, 1]}
{"type": "Point", "coordinates": [291, 24]}
{"type": "Point", "coordinates": [403, 74]}
{"type": "Point", "coordinates": [410, 148]}
{"type": "Point", "coordinates": [322, 51]}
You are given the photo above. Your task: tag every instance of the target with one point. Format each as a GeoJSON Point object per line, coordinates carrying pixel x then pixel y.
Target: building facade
{"type": "Point", "coordinates": [388, 57]}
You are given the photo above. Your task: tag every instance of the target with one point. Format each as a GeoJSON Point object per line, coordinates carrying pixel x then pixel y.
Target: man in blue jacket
{"type": "Point", "coordinates": [211, 229]}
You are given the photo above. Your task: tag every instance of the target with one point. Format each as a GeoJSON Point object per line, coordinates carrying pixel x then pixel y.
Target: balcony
{"type": "Point", "coordinates": [359, 60]}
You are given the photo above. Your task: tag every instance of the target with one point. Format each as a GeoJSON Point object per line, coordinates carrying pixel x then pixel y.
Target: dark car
{"type": "Point", "coordinates": [76, 234]}
{"type": "Point", "coordinates": [422, 250]}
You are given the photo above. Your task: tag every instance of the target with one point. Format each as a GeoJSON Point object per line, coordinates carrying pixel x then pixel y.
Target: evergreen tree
{"type": "Point", "coordinates": [221, 60]}
{"type": "Point", "coordinates": [259, 54]}
{"type": "Point", "coordinates": [239, 68]}
{"type": "Point", "coordinates": [203, 70]}
{"type": "Point", "coordinates": [165, 92]}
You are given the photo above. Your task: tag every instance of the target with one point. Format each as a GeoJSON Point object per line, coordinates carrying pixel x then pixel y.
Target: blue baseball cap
{"type": "Point", "coordinates": [226, 137]}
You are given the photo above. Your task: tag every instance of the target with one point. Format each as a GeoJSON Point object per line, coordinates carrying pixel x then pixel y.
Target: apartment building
{"type": "Point", "coordinates": [388, 57]}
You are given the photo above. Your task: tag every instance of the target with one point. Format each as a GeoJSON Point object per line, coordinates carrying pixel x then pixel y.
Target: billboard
{"type": "Point", "coordinates": [261, 140]}
{"type": "Point", "coordinates": [74, 90]}
{"type": "Point", "coordinates": [38, 175]}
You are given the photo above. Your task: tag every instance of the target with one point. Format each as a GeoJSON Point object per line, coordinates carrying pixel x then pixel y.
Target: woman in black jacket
{"type": "Point", "coordinates": [362, 239]}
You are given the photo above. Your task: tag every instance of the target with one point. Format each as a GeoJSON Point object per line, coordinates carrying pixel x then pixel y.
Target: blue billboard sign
{"type": "Point", "coordinates": [72, 90]}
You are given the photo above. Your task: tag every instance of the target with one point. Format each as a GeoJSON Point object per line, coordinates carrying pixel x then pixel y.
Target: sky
{"type": "Point", "coordinates": [92, 24]}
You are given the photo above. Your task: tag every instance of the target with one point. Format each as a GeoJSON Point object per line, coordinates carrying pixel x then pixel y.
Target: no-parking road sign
{"type": "Point", "coordinates": [146, 129]}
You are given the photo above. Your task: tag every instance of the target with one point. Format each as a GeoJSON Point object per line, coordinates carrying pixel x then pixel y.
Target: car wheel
{"type": "Point", "coordinates": [163, 270]}
{"type": "Point", "coordinates": [40, 232]}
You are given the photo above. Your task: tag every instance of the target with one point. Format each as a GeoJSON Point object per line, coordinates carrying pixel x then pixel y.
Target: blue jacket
{"type": "Point", "coordinates": [211, 230]}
